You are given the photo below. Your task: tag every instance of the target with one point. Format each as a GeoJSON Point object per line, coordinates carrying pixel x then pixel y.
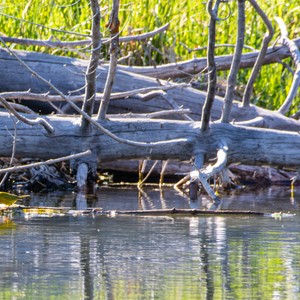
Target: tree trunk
{"type": "Point", "coordinates": [246, 145]}
{"type": "Point", "coordinates": [68, 74]}
{"type": "Point", "coordinates": [197, 65]}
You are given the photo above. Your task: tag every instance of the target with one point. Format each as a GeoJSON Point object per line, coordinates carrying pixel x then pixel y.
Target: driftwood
{"type": "Point", "coordinates": [67, 74]}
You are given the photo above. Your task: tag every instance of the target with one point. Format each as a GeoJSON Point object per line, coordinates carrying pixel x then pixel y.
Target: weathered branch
{"type": "Point", "coordinates": [170, 100]}
{"type": "Point", "coordinates": [259, 61]}
{"type": "Point", "coordinates": [212, 72]}
{"type": "Point", "coordinates": [36, 121]}
{"type": "Point", "coordinates": [246, 145]}
{"type": "Point", "coordinates": [81, 177]}
{"type": "Point", "coordinates": [140, 184]}
{"type": "Point", "coordinates": [142, 93]}
{"type": "Point", "coordinates": [296, 57]}
{"type": "Point", "coordinates": [72, 44]}
{"type": "Point", "coordinates": [201, 176]}
{"type": "Point", "coordinates": [193, 185]}
{"type": "Point", "coordinates": [231, 82]}
{"type": "Point", "coordinates": [91, 72]}
{"type": "Point", "coordinates": [158, 114]}
{"type": "Point", "coordinates": [20, 107]}
{"type": "Point", "coordinates": [113, 26]}
{"type": "Point", "coordinates": [48, 162]}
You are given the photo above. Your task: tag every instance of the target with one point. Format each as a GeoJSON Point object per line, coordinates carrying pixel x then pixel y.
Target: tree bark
{"type": "Point", "coordinates": [197, 65]}
{"type": "Point", "coordinates": [246, 145]}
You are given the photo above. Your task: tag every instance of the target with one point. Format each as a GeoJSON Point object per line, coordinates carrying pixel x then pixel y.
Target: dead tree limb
{"type": "Point", "coordinates": [231, 81]}
{"type": "Point", "coordinates": [20, 107]}
{"type": "Point", "coordinates": [48, 162]}
{"type": "Point", "coordinates": [72, 44]}
{"type": "Point", "coordinates": [259, 61]}
{"type": "Point", "coordinates": [142, 93]}
{"type": "Point", "coordinates": [201, 176]}
{"type": "Point", "coordinates": [81, 177]}
{"type": "Point", "coordinates": [140, 183]}
{"type": "Point", "coordinates": [159, 114]}
{"type": "Point", "coordinates": [212, 71]}
{"type": "Point", "coordinates": [296, 57]}
{"type": "Point", "coordinates": [113, 26]}
{"type": "Point", "coordinates": [37, 121]}
{"type": "Point", "coordinates": [193, 185]}
{"type": "Point", "coordinates": [91, 72]}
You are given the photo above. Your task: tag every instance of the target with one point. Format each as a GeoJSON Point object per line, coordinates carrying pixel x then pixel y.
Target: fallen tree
{"type": "Point", "coordinates": [198, 65]}
{"type": "Point", "coordinates": [164, 139]}
{"type": "Point", "coordinates": [67, 74]}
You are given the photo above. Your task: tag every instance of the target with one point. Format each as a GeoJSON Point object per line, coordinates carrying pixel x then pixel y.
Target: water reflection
{"type": "Point", "coordinates": [154, 257]}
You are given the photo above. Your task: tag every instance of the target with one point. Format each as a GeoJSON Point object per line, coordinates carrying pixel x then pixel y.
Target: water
{"type": "Point", "coordinates": [130, 257]}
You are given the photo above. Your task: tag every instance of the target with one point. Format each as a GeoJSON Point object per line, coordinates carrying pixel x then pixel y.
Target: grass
{"type": "Point", "coordinates": [188, 30]}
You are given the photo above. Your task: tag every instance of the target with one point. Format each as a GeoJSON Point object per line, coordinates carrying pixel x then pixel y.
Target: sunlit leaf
{"type": "Point", "coordinates": [10, 199]}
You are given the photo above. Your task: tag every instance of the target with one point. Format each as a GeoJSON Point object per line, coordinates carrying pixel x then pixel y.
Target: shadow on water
{"type": "Point", "coordinates": [127, 257]}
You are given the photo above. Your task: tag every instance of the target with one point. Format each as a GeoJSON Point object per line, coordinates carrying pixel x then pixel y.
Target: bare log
{"type": "Point", "coordinates": [246, 145]}
{"type": "Point", "coordinates": [67, 74]}
{"type": "Point", "coordinates": [197, 65]}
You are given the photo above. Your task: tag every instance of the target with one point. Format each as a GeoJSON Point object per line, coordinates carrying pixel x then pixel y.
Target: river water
{"type": "Point", "coordinates": [134, 257]}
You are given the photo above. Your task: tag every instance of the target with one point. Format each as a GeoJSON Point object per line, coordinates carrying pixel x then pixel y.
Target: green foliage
{"type": "Point", "coordinates": [188, 30]}
{"type": "Point", "coordinates": [9, 199]}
